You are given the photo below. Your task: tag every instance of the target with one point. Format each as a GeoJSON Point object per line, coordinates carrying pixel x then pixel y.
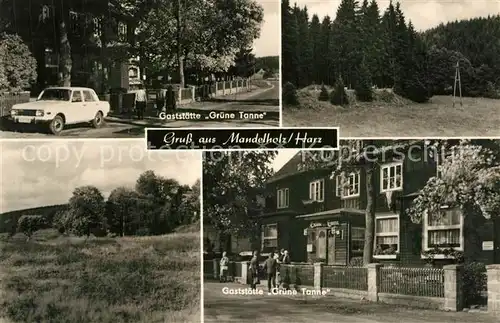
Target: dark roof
{"type": "Point", "coordinates": [290, 168]}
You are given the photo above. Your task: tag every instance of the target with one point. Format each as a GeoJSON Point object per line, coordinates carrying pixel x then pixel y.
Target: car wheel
{"type": "Point", "coordinates": [57, 125]}
{"type": "Point", "coordinates": [98, 120]}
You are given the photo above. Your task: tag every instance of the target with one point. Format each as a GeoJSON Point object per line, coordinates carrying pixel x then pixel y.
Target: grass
{"type": "Point", "coordinates": [52, 278]}
{"type": "Point", "coordinates": [390, 115]}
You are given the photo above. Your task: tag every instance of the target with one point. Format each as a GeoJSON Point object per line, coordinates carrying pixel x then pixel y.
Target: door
{"type": "Point", "coordinates": [90, 105]}
{"type": "Point", "coordinates": [321, 248]}
{"type": "Point", "coordinates": [77, 112]}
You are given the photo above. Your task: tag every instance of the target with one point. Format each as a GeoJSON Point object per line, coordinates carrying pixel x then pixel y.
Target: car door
{"type": "Point", "coordinates": [90, 104]}
{"type": "Point", "coordinates": [76, 114]}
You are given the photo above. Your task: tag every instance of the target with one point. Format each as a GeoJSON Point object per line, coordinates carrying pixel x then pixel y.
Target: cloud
{"type": "Point", "coordinates": [41, 173]}
{"type": "Point", "coordinates": [424, 14]}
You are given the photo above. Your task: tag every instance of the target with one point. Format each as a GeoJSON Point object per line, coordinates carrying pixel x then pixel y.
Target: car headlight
{"type": "Point", "coordinates": [13, 112]}
{"type": "Point", "coordinates": [39, 113]}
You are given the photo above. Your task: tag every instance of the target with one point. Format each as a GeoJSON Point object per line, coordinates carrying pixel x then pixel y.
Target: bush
{"type": "Point", "coordinates": [324, 95]}
{"type": "Point", "coordinates": [474, 283]}
{"type": "Point", "coordinates": [290, 94]}
{"type": "Point", "coordinates": [364, 92]}
{"type": "Point", "coordinates": [413, 89]}
{"type": "Point", "coordinates": [339, 95]}
{"type": "Point", "coordinates": [18, 67]}
{"type": "Point", "coordinates": [29, 224]}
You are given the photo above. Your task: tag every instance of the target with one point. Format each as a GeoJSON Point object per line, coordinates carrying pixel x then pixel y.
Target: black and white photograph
{"type": "Point", "coordinates": [378, 231]}
{"type": "Point", "coordinates": [110, 68]}
{"type": "Point", "coordinates": [389, 68]}
{"type": "Point", "coordinates": [99, 231]}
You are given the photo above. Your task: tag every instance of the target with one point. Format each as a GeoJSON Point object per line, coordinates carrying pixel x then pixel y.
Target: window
{"type": "Point", "coordinates": [326, 155]}
{"type": "Point", "coordinates": [386, 234]}
{"type": "Point", "coordinates": [391, 177]}
{"type": "Point", "coordinates": [88, 96]}
{"type": "Point", "coordinates": [122, 31]}
{"type": "Point", "coordinates": [77, 96]}
{"type": "Point", "coordinates": [317, 190]}
{"type": "Point", "coordinates": [283, 198]}
{"type": "Point", "coordinates": [269, 236]}
{"type": "Point", "coordinates": [444, 232]}
{"type": "Point", "coordinates": [357, 239]}
{"type": "Point", "coordinates": [349, 187]}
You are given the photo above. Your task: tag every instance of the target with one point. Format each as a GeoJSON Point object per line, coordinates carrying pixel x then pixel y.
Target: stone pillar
{"type": "Point", "coordinates": [216, 89]}
{"type": "Point", "coordinates": [193, 93]}
{"type": "Point", "coordinates": [373, 281]}
{"type": "Point", "coordinates": [179, 95]}
{"type": "Point", "coordinates": [215, 268]}
{"type": "Point", "coordinates": [494, 289]}
{"type": "Point", "coordinates": [237, 86]}
{"type": "Point", "coordinates": [244, 272]}
{"type": "Point", "coordinates": [318, 275]}
{"type": "Point", "coordinates": [224, 87]}
{"type": "Point", "coordinates": [453, 291]}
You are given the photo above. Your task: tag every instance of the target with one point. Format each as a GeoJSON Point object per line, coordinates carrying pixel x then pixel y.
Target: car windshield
{"type": "Point", "coordinates": [55, 94]}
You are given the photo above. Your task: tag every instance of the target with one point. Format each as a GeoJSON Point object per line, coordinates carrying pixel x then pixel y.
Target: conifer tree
{"type": "Point", "coordinates": [339, 95]}
{"type": "Point", "coordinates": [363, 87]}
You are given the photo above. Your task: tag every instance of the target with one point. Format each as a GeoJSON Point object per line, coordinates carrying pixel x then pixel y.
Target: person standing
{"type": "Point", "coordinates": [286, 257]}
{"type": "Point", "coordinates": [271, 266]}
{"type": "Point", "coordinates": [140, 102]}
{"type": "Point", "coordinates": [171, 99]}
{"type": "Point", "coordinates": [224, 266]}
{"type": "Point", "coordinates": [161, 100]}
{"type": "Point", "coordinates": [254, 271]}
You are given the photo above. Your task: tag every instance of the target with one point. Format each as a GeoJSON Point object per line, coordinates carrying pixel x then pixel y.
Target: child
{"type": "Point", "coordinates": [224, 262]}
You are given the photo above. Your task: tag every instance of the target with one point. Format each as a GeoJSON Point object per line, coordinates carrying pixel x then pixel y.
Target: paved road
{"type": "Point", "coordinates": [226, 112]}
{"type": "Point", "coordinates": [219, 307]}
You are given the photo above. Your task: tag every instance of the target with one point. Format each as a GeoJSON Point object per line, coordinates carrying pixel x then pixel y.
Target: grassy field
{"type": "Point", "coordinates": [398, 117]}
{"type": "Point", "coordinates": [52, 278]}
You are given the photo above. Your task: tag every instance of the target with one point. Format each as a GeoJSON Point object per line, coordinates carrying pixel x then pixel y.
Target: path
{"type": "Point", "coordinates": [267, 308]}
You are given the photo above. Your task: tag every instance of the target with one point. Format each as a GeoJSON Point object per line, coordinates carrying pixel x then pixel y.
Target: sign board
{"type": "Point", "coordinates": [332, 223]}
{"type": "Point", "coordinates": [315, 225]}
{"type": "Point", "coordinates": [310, 247]}
{"type": "Point", "coordinates": [487, 245]}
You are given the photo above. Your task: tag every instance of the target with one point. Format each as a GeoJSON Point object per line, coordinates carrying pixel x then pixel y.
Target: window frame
{"type": "Point", "coordinates": [286, 192]}
{"type": "Point", "coordinates": [341, 193]}
{"type": "Point", "coordinates": [426, 228]}
{"type": "Point", "coordinates": [396, 234]}
{"type": "Point", "coordinates": [312, 190]}
{"type": "Point", "coordinates": [388, 167]}
{"type": "Point", "coordinates": [263, 232]}
{"type": "Point", "coordinates": [363, 236]}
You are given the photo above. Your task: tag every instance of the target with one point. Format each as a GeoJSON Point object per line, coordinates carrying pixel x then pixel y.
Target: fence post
{"type": "Point", "coordinates": [193, 93]}
{"type": "Point", "coordinates": [318, 275]}
{"type": "Point", "coordinates": [179, 95]}
{"type": "Point", "coordinates": [493, 289]}
{"type": "Point", "coordinates": [237, 86]}
{"type": "Point", "coordinates": [215, 265]}
{"type": "Point", "coordinates": [216, 89]}
{"type": "Point", "coordinates": [373, 272]}
{"type": "Point", "coordinates": [224, 87]}
{"type": "Point", "coordinates": [453, 291]}
{"type": "Point", "coordinates": [244, 272]}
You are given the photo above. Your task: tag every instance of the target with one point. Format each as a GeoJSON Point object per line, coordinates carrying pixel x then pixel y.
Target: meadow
{"type": "Point", "coordinates": [67, 279]}
{"type": "Point", "coordinates": [393, 116]}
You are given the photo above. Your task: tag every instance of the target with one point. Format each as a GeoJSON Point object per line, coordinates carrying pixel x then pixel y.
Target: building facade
{"type": "Point", "coordinates": [320, 216]}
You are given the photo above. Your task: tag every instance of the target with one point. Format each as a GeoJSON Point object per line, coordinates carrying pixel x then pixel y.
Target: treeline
{"type": "Point", "coordinates": [367, 48]}
{"type": "Point", "coordinates": [156, 205]}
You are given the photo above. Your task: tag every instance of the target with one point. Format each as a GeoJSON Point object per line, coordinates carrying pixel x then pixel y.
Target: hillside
{"type": "Point", "coordinates": [54, 278]}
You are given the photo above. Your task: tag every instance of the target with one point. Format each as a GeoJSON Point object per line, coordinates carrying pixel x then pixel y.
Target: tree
{"type": "Point", "coordinates": [324, 95]}
{"type": "Point", "coordinates": [339, 96]}
{"type": "Point", "coordinates": [363, 87]}
{"type": "Point", "coordinates": [29, 224]}
{"type": "Point", "coordinates": [17, 64]}
{"type": "Point", "coordinates": [290, 94]}
{"type": "Point", "coordinates": [123, 212]}
{"type": "Point", "coordinates": [86, 211]}
{"type": "Point", "coordinates": [230, 182]}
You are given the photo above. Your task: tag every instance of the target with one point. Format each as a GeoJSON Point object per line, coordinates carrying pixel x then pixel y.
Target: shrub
{"type": "Point", "coordinates": [474, 283]}
{"type": "Point", "coordinates": [29, 224]}
{"type": "Point", "coordinates": [18, 67]}
{"type": "Point", "coordinates": [339, 95]}
{"type": "Point", "coordinates": [290, 94]}
{"type": "Point", "coordinates": [324, 95]}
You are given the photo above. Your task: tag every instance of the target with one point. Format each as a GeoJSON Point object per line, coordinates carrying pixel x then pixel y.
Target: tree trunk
{"type": "Point", "coordinates": [180, 60]}
{"type": "Point", "coordinates": [65, 62]}
{"type": "Point", "coordinates": [369, 215]}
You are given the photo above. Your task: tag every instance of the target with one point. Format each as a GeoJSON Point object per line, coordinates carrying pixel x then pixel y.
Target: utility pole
{"type": "Point", "coordinates": [458, 81]}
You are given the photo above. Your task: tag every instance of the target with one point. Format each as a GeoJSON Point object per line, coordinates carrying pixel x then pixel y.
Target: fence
{"type": "Point", "coordinates": [206, 91]}
{"type": "Point", "coordinates": [300, 275]}
{"type": "Point", "coordinates": [428, 282]}
{"type": "Point", "coordinates": [345, 277]}
{"type": "Point", "coordinates": [7, 100]}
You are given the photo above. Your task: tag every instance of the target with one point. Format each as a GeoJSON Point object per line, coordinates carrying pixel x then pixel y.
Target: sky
{"type": "Point", "coordinates": [40, 173]}
{"type": "Point", "coordinates": [282, 157]}
{"type": "Point", "coordinates": [424, 14]}
{"type": "Point", "coordinates": [270, 39]}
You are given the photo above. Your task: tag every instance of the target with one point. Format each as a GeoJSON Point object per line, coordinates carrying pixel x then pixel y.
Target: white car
{"type": "Point", "coordinates": [59, 106]}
